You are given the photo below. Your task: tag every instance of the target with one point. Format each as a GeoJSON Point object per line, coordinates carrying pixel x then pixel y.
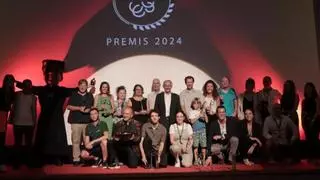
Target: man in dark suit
{"type": "Point", "coordinates": [167, 104]}
{"type": "Point", "coordinates": [222, 137]}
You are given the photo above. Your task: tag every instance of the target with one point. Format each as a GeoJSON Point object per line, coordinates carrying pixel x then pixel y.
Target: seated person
{"type": "Point", "coordinates": [126, 139]}
{"type": "Point", "coordinates": [96, 136]}
{"type": "Point", "coordinates": [181, 141]}
{"type": "Point", "coordinates": [250, 139]}
{"type": "Point", "coordinates": [198, 119]}
{"type": "Point", "coordinates": [281, 135]}
{"type": "Point", "coordinates": [152, 142]}
{"type": "Point", "coordinates": [222, 137]}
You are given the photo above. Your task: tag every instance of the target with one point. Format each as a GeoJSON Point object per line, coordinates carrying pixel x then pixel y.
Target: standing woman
{"type": "Point", "coordinates": [181, 141]}
{"type": "Point", "coordinates": [310, 119]}
{"type": "Point", "coordinates": [6, 100]}
{"type": "Point", "coordinates": [120, 103]}
{"type": "Point", "coordinates": [104, 102]}
{"type": "Point", "coordinates": [211, 100]}
{"type": "Point", "coordinates": [139, 105]}
{"type": "Point", "coordinates": [290, 101]}
{"type": "Point", "coordinates": [248, 100]}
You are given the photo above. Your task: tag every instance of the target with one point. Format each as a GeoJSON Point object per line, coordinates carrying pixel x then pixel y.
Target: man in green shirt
{"type": "Point", "coordinates": [96, 136]}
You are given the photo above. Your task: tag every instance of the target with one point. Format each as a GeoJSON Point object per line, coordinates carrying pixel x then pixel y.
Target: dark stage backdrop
{"type": "Point", "coordinates": [132, 41]}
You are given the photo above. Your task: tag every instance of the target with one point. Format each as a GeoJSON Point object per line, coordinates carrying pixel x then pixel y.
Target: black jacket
{"type": "Point", "coordinates": [161, 108]}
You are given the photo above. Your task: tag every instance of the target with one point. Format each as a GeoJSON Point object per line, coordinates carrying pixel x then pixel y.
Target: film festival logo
{"type": "Point", "coordinates": [143, 15]}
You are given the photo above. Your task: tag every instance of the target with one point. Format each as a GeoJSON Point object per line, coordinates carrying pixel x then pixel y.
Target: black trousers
{"type": "Point", "coordinates": [22, 152]}
{"type": "Point", "coordinates": [244, 145]}
{"type": "Point", "coordinates": [126, 153]}
{"type": "Point", "coordinates": [281, 151]}
{"type": "Point", "coordinates": [312, 131]}
{"type": "Point", "coordinates": [2, 147]}
{"type": "Point", "coordinates": [152, 155]}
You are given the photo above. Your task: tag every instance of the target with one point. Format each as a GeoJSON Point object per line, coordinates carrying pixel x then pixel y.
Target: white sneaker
{"type": "Point", "coordinates": [177, 165]}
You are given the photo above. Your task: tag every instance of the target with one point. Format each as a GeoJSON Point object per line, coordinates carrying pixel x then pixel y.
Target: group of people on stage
{"type": "Point", "coordinates": [215, 125]}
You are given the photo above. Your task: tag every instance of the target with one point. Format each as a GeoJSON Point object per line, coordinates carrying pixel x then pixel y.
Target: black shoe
{"type": "Point", "coordinates": [58, 162]}
{"type": "Point", "coordinates": [96, 163]}
{"type": "Point", "coordinates": [114, 166]}
{"type": "Point", "coordinates": [76, 163]}
{"type": "Point", "coordinates": [104, 165]}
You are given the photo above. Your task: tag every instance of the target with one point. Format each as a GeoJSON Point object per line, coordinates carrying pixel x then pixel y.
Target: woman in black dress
{"type": "Point", "coordinates": [6, 100]}
{"type": "Point", "coordinates": [248, 100]}
{"type": "Point", "coordinates": [139, 104]}
{"type": "Point", "coordinates": [311, 119]}
{"type": "Point", "coordinates": [250, 139]}
{"type": "Point", "coordinates": [290, 101]}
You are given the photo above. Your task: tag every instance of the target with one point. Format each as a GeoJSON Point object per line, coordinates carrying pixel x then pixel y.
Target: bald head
{"type": "Point", "coordinates": [127, 114]}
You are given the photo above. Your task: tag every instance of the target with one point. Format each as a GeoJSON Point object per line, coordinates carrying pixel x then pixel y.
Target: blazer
{"type": "Point", "coordinates": [161, 108]}
{"type": "Point", "coordinates": [256, 130]}
{"type": "Point", "coordinates": [214, 130]}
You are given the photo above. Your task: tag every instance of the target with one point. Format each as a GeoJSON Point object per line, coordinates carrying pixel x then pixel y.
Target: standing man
{"type": "Point", "coordinates": [167, 104]}
{"type": "Point", "coordinates": [155, 90]}
{"type": "Point", "coordinates": [222, 136]}
{"type": "Point", "coordinates": [126, 137]}
{"type": "Point", "coordinates": [267, 97]}
{"type": "Point", "coordinates": [152, 142]}
{"type": "Point", "coordinates": [228, 97]}
{"type": "Point", "coordinates": [79, 105]}
{"type": "Point", "coordinates": [188, 95]}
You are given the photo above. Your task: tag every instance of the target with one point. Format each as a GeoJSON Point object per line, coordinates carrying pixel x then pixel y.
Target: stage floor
{"type": "Point", "coordinates": [68, 171]}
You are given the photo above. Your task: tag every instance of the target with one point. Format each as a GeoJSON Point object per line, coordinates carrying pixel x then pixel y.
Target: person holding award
{"type": "Point", "coordinates": [126, 138]}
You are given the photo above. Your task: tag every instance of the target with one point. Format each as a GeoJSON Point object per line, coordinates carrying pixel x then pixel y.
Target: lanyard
{"type": "Point", "coordinates": [180, 133]}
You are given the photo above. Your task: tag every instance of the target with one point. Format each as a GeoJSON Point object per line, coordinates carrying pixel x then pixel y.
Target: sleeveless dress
{"type": "Point", "coordinates": [106, 115]}
{"type": "Point", "coordinates": [137, 106]}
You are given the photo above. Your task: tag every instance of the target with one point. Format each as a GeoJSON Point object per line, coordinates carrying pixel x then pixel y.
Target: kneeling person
{"type": "Point", "coordinates": [96, 136]}
{"type": "Point", "coordinates": [152, 142]}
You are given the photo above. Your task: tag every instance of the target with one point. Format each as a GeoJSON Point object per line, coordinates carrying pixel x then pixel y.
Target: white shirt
{"type": "Point", "coordinates": [176, 129]}
{"type": "Point", "coordinates": [223, 128]}
{"type": "Point", "coordinates": [152, 99]}
{"type": "Point", "coordinates": [167, 102]}
{"type": "Point", "coordinates": [211, 103]}
{"type": "Point", "coordinates": [194, 114]}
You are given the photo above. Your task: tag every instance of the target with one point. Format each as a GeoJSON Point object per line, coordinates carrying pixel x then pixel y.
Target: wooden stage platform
{"type": "Point", "coordinates": [279, 171]}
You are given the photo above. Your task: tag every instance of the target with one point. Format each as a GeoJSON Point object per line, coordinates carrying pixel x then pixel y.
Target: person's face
{"type": "Point", "coordinates": [83, 87]}
{"type": "Point", "coordinates": [248, 115]}
{"type": "Point", "coordinates": [127, 114]}
{"type": "Point", "coordinates": [104, 89]}
{"type": "Point", "coordinates": [221, 114]}
{"type": "Point", "coordinates": [122, 94]}
{"type": "Point", "coordinates": [249, 87]}
{"type": "Point", "coordinates": [156, 85]}
{"type": "Point", "coordinates": [94, 115]}
{"type": "Point", "coordinates": [189, 83]}
{"type": "Point", "coordinates": [266, 83]}
{"type": "Point", "coordinates": [224, 82]}
{"type": "Point", "coordinates": [209, 88]}
{"type": "Point", "coordinates": [276, 111]}
{"type": "Point", "coordinates": [196, 105]}
{"type": "Point", "coordinates": [154, 118]}
{"type": "Point", "coordinates": [179, 118]}
{"type": "Point", "coordinates": [138, 91]}
{"type": "Point", "coordinates": [167, 86]}
{"type": "Point", "coordinates": [309, 91]}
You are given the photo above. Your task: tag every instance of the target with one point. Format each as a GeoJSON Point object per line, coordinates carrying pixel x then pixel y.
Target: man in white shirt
{"type": "Point", "coordinates": [167, 104]}
{"type": "Point", "coordinates": [189, 94]}
{"type": "Point", "coordinates": [155, 90]}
